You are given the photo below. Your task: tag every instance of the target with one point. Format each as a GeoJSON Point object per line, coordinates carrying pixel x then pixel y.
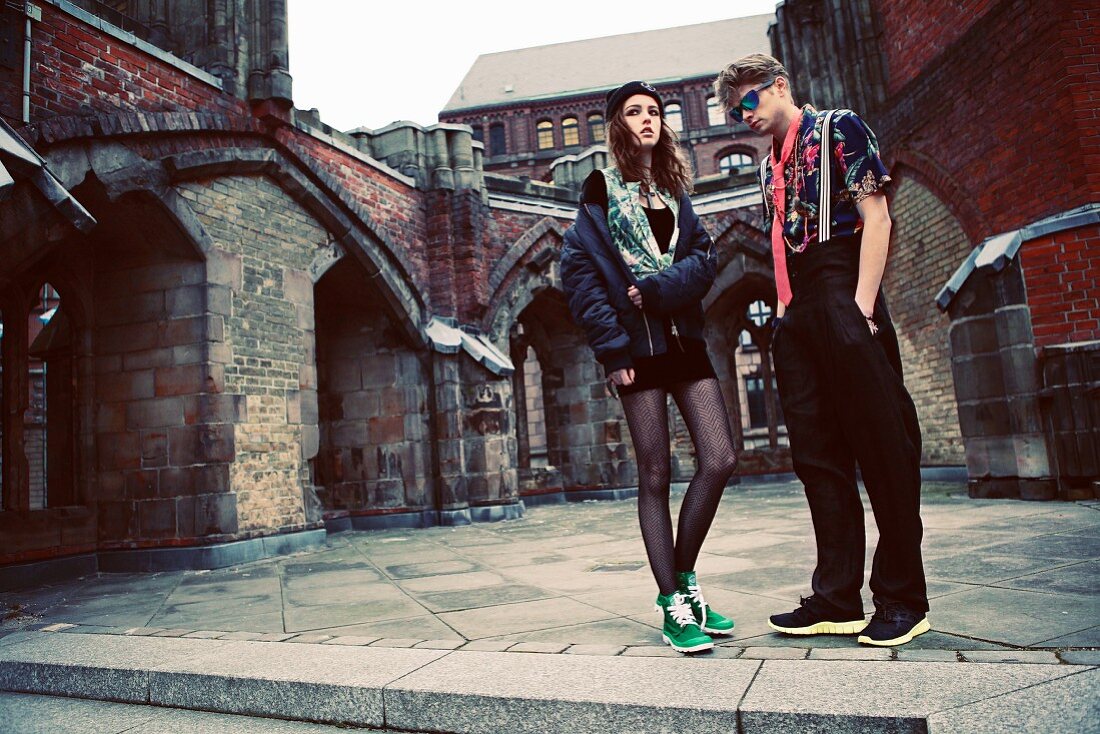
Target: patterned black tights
{"type": "Point", "coordinates": [704, 411]}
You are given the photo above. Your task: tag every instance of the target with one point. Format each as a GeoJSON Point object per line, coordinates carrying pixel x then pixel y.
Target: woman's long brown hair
{"type": "Point", "coordinates": [670, 169]}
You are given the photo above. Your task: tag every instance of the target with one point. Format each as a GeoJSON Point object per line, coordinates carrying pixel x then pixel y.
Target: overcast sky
{"type": "Point", "coordinates": [370, 63]}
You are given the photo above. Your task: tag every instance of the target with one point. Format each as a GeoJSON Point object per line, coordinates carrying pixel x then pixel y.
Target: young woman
{"type": "Point", "coordinates": [635, 266]}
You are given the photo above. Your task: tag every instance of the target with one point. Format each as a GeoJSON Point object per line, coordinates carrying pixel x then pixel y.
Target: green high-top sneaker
{"type": "Point", "coordinates": [709, 620]}
{"type": "Point", "coordinates": [680, 630]}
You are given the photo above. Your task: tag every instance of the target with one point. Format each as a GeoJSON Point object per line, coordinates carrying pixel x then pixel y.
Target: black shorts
{"type": "Point", "coordinates": [677, 365]}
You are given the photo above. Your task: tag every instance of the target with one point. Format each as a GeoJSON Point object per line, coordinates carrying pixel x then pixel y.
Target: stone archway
{"type": "Point", "coordinates": [373, 396]}
{"type": "Point", "coordinates": [927, 244]}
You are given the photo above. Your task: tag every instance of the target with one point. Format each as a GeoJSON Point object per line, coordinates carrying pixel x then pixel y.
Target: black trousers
{"type": "Point", "coordinates": [844, 403]}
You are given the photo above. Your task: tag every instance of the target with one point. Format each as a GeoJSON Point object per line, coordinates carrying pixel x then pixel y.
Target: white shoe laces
{"type": "Point", "coordinates": [681, 610]}
{"type": "Point", "coordinates": [696, 594]}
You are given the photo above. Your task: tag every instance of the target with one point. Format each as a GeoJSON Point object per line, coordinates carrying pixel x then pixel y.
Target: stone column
{"type": "Point", "coordinates": [269, 74]}
{"type": "Point", "coordinates": [997, 386]}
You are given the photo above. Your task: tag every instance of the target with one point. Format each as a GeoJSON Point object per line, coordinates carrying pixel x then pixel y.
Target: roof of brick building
{"type": "Point", "coordinates": [602, 63]}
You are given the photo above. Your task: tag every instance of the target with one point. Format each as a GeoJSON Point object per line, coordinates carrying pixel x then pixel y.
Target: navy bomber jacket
{"type": "Point", "coordinates": [596, 278]}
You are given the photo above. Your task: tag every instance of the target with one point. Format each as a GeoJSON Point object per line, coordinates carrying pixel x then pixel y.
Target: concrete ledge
{"type": "Point", "coordinates": [583, 495]}
{"type": "Point", "coordinates": [428, 518]}
{"type": "Point", "coordinates": [218, 555]}
{"type": "Point", "coordinates": [540, 693]}
{"type": "Point", "coordinates": [46, 572]}
{"type": "Point", "coordinates": [849, 696]}
{"type": "Point", "coordinates": [1061, 706]}
{"type": "Point", "coordinates": [467, 691]}
{"type": "Point", "coordinates": [546, 498]}
{"type": "Point", "coordinates": [339, 685]}
{"type": "Point", "coordinates": [403, 520]}
{"type": "Point", "coordinates": [496, 513]}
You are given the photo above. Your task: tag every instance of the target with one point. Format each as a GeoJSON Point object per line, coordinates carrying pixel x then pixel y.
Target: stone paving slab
{"type": "Point", "coordinates": [849, 696]}
{"type": "Point", "coordinates": [469, 691]}
{"type": "Point", "coordinates": [329, 684]}
{"type": "Point", "coordinates": [578, 694]}
{"type": "Point", "coordinates": [1067, 705]}
{"type": "Point", "coordinates": [53, 714]}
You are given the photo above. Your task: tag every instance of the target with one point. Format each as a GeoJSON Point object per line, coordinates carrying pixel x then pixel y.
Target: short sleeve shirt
{"type": "Point", "coordinates": [854, 155]}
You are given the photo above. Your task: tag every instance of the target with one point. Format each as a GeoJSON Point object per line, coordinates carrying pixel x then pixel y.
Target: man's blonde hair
{"type": "Point", "coordinates": [751, 69]}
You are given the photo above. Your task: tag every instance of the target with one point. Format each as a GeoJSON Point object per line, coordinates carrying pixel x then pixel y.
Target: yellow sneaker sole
{"type": "Point", "coordinates": [823, 628]}
{"type": "Point", "coordinates": [918, 629]}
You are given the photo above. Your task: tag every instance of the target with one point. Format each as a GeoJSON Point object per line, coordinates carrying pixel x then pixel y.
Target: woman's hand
{"type": "Point", "coordinates": [635, 297]}
{"type": "Point", "coordinates": [624, 376]}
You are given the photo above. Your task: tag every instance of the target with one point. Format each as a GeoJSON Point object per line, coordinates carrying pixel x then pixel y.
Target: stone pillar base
{"type": "Point", "coordinates": [1017, 488]}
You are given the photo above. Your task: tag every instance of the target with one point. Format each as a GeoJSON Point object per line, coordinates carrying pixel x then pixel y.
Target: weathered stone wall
{"type": "Point", "coordinates": [926, 242]}
{"type": "Point", "coordinates": [375, 443]}
{"type": "Point", "coordinates": [269, 242]}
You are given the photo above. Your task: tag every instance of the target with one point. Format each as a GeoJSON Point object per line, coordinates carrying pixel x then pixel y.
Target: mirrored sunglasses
{"type": "Point", "coordinates": [750, 101]}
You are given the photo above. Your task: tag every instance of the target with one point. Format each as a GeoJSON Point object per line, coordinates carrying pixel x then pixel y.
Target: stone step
{"type": "Point", "coordinates": [468, 691]}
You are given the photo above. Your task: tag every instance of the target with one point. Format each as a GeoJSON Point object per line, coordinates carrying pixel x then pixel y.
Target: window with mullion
{"type": "Point", "coordinates": [545, 134]}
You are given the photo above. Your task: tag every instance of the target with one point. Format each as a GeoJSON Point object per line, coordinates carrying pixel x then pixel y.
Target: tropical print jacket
{"type": "Point", "coordinates": [854, 155]}
{"type": "Point", "coordinates": [630, 228]}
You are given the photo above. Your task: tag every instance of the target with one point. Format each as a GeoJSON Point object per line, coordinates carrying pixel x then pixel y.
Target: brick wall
{"type": "Point", "coordinates": [1062, 276]}
{"type": "Point", "coordinates": [76, 69]}
{"type": "Point", "coordinates": [375, 447]}
{"type": "Point", "coordinates": [164, 428]}
{"type": "Point", "coordinates": [1009, 169]}
{"type": "Point", "coordinates": [910, 25]}
{"type": "Point", "coordinates": [268, 241]}
{"type": "Point", "coordinates": [927, 242]}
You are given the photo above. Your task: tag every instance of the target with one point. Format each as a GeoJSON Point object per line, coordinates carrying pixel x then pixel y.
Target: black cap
{"type": "Point", "coordinates": [617, 96]}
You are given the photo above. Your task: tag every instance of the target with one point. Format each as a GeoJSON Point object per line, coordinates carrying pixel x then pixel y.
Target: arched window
{"type": "Point", "coordinates": [674, 116]}
{"type": "Point", "coordinates": [734, 161]}
{"type": "Point", "coordinates": [754, 368]}
{"type": "Point", "coordinates": [479, 133]}
{"type": "Point", "coordinates": [545, 130]}
{"type": "Point", "coordinates": [758, 313]}
{"type": "Point", "coordinates": [536, 410]}
{"type": "Point", "coordinates": [595, 128]}
{"type": "Point", "coordinates": [570, 131]}
{"type": "Point", "coordinates": [496, 139]}
{"type": "Point", "coordinates": [48, 434]}
{"type": "Point", "coordinates": [714, 115]}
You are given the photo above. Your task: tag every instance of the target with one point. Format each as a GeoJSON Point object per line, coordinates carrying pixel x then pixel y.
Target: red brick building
{"type": "Point", "coordinates": [989, 116]}
{"type": "Point", "coordinates": [531, 106]}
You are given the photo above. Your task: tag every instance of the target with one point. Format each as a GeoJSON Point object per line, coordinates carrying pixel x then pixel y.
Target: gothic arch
{"type": "Point", "coordinates": [122, 170]}
{"type": "Point", "coordinates": [928, 242]}
{"type": "Point", "coordinates": [911, 163]}
{"type": "Point", "coordinates": [515, 285]}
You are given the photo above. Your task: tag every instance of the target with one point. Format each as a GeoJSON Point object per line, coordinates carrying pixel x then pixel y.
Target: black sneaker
{"type": "Point", "coordinates": [815, 617]}
{"type": "Point", "coordinates": [893, 624]}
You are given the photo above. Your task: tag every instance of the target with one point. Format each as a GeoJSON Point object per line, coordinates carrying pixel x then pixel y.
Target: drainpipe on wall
{"type": "Point", "coordinates": [33, 13]}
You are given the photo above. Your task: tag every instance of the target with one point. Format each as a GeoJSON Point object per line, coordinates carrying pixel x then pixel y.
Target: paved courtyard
{"type": "Point", "coordinates": [1002, 574]}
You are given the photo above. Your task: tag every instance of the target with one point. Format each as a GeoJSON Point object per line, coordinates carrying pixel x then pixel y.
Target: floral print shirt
{"type": "Point", "coordinates": [855, 160]}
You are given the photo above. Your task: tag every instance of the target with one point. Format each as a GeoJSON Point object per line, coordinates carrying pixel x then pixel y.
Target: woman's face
{"type": "Point", "coordinates": [643, 117]}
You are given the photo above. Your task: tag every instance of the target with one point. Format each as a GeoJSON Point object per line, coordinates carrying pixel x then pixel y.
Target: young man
{"type": "Point", "coordinates": [836, 357]}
